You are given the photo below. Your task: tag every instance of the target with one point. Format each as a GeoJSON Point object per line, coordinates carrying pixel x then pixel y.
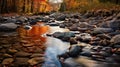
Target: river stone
{"type": "Point", "coordinates": [115, 39]}
{"type": "Point", "coordinates": [63, 35]}
{"type": "Point", "coordinates": [8, 27]}
{"type": "Point", "coordinates": [104, 36]}
{"type": "Point", "coordinates": [7, 56]}
{"type": "Point", "coordinates": [21, 61]}
{"type": "Point", "coordinates": [114, 33]}
{"type": "Point", "coordinates": [102, 30]}
{"type": "Point", "coordinates": [61, 18]}
{"type": "Point", "coordinates": [36, 55]}
{"type": "Point", "coordinates": [84, 37]}
{"type": "Point", "coordinates": [53, 24]}
{"type": "Point", "coordinates": [75, 51]}
{"type": "Point", "coordinates": [6, 45]}
{"type": "Point", "coordinates": [116, 57]}
{"type": "Point", "coordinates": [62, 25]}
{"type": "Point", "coordinates": [22, 18]}
{"type": "Point", "coordinates": [12, 51]}
{"type": "Point", "coordinates": [22, 54]}
{"type": "Point", "coordinates": [73, 28]}
{"type": "Point", "coordinates": [73, 41]}
{"type": "Point", "coordinates": [36, 60]}
{"type": "Point", "coordinates": [7, 61]}
{"type": "Point", "coordinates": [28, 45]}
{"type": "Point", "coordinates": [58, 35]}
{"type": "Point", "coordinates": [69, 34]}
{"type": "Point", "coordinates": [115, 25]}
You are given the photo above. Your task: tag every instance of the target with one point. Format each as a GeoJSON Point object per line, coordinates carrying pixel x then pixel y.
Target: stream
{"type": "Point", "coordinates": [56, 47]}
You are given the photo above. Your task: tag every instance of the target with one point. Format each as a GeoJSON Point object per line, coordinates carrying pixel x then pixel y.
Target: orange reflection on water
{"type": "Point", "coordinates": [34, 35]}
{"type": "Point", "coordinates": [38, 29]}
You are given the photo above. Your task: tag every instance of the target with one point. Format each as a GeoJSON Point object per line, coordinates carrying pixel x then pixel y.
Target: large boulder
{"type": "Point", "coordinates": [8, 27]}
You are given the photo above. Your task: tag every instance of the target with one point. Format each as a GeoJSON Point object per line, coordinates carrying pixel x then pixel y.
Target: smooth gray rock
{"type": "Point", "coordinates": [8, 27]}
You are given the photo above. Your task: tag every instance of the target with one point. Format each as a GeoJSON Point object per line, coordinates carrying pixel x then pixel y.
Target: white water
{"type": "Point", "coordinates": [55, 47]}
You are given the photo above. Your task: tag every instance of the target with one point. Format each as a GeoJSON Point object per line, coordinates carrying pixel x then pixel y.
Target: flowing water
{"type": "Point", "coordinates": [56, 47]}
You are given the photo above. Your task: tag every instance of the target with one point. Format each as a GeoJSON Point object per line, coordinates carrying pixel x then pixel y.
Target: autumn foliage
{"type": "Point", "coordinates": [24, 6]}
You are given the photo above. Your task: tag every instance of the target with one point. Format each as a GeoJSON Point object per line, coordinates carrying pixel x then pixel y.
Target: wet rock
{"type": "Point", "coordinates": [62, 25]}
{"type": "Point", "coordinates": [82, 29]}
{"type": "Point", "coordinates": [61, 18]}
{"type": "Point", "coordinates": [75, 32]}
{"type": "Point", "coordinates": [87, 14]}
{"type": "Point", "coordinates": [105, 54]}
{"type": "Point", "coordinates": [115, 39]}
{"type": "Point", "coordinates": [114, 33]}
{"type": "Point", "coordinates": [36, 55]}
{"type": "Point", "coordinates": [84, 37]}
{"type": "Point", "coordinates": [115, 24]}
{"type": "Point", "coordinates": [28, 45]}
{"type": "Point", "coordinates": [116, 57]}
{"type": "Point", "coordinates": [53, 24]}
{"type": "Point", "coordinates": [104, 36]}
{"type": "Point", "coordinates": [39, 50]}
{"type": "Point", "coordinates": [3, 51]}
{"type": "Point", "coordinates": [36, 60]}
{"type": "Point", "coordinates": [22, 18]}
{"type": "Point", "coordinates": [73, 41]}
{"type": "Point", "coordinates": [58, 35]}
{"type": "Point", "coordinates": [75, 51]}
{"type": "Point", "coordinates": [117, 51]}
{"type": "Point", "coordinates": [7, 61]}
{"type": "Point", "coordinates": [85, 25]}
{"type": "Point", "coordinates": [12, 51]}
{"type": "Point", "coordinates": [65, 36]}
{"type": "Point", "coordinates": [104, 42]}
{"type": "Point", "coordinates": [22, 54]}
{"type": "Point", "coordinates": [6, 46]}
{"type": "Point", "coordinates": [21, 62]}
{"type": "Point", "coordinates": [101, 30]}
{"type": "Point", "coordinates": [73, 28]}
{"type": "Point", "coordinates": [7, 56]}
{"type": "Point", "coordinates": [118, 16]}
{"type": "Point", "coordinates": [8, 27]}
